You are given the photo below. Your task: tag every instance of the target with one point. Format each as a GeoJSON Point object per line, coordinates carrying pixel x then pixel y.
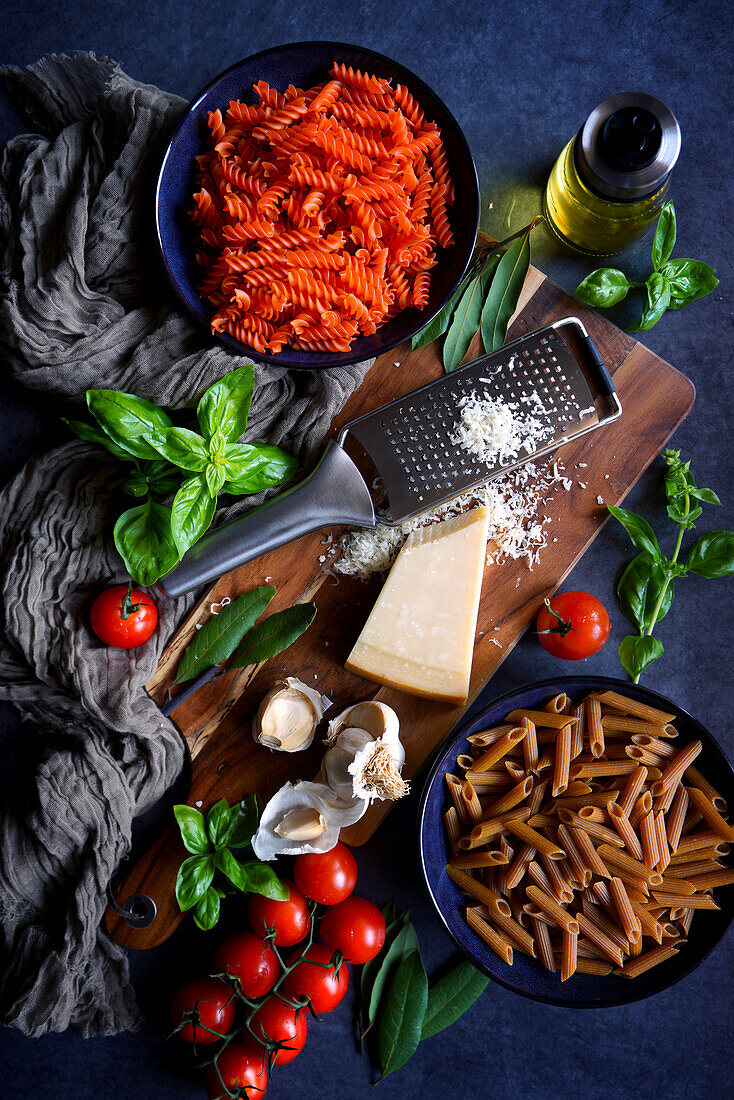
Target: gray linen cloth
{"type": "Point", "coordinates": [85, 303]}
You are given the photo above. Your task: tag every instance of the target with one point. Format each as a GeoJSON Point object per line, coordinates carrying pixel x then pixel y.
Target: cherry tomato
{"type": "Point", "coordinates": [242, 1066]}
{"type": "Point", "coordinates": [278, 1022]}
{"type": "Point", "coordinates": [123, 617]}
{"type": "Point", "coordinates": [573, 625]}
{"type": "Point", "coordinates": [214, 1003]}
{"type": "Point", "coordinates": [246, 957]}
{"type": "Point", "coordinates": [355, 927]}
{"type": "Point", "coordinates": [323, 985]}
{"type": "Point", "coordinates": [290, 919]}
{"type": "Point", "coordinates": [327, 877]}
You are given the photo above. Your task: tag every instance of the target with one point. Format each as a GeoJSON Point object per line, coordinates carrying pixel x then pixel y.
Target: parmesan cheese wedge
{"type": "Point", "coordinates": [419, 637]}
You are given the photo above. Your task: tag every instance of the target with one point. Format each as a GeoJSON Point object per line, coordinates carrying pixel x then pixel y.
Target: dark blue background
{"type": "Point", "coordinates": [520, 77]}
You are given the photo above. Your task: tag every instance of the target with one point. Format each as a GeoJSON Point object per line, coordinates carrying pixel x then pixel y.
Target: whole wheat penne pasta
{"type": "Point", "coordinates": [633, 707]}
{"type": "Point", "coordinates": [684, 921]}
{"type": "Point", "coordinates": [484, 738]}
{"type": "Point", "coordinates": [636, 890]}
{"type": "Point", "coordinates": [706, 838]}
{"type": "Point", "coordinates": [711, 879]}
{"type": "Point", "coordinates": [594, 728]}
{"type": "Point", "coordinates": [696, 901]}
{"type": "Point", "coordinates": [518, 868]}
{"type": "Point", "coordinates": [501, 873]}
{"type": "Point", "coordinates": [581, 871]}
{"type": "Point", "coordinates": [491, 936]}
{"type": "Point", "coordinates": [643, 756]}
{"type": "Point", "coordinates": [544, 950]}
{"type": "Point", "coordinates": [493, 828]}
{"type": "Point", "coordinates": [649, 840]}
{"type": "Point", "coordinates": [469, 861]}
{"type": "Point", "coordinates": [603, 768]}
{"type": "Point", "coordinates": [641, 808]}
{"type": "Point", "coordinates": [537, 795]}
{"type": "Point", "coordinates": [710, 814]}
{"type": "Point", "coordinates": [454, 785]}
{"type": "Point", "coordinates": [593, 966]}
{"type": "Point", "coordinates": [577, 731]}
{"type": "Point", "coordinates": [551, 907]}
{"type": "Point", "coordinates": [632, 789]}
{"type": "Point", "coordinates": [650, 926]}
{"type": "Point", "coordinates": [559, 704]}
{"type": "Point", "coordinates": [499, 914]}
{"type": "Point", "coordinates": [600, 938]}
{"type": "Point", "coordinates": [464, 760]}
{"type": "Point", "coordinates": [608, 926]}
{"type": "Point", "coordinates": [600, 891]}
{"type": "Point", "coordinates": [529, 745]}
{"type": "Point", "coordinates": [490, 781]}
{"type": "Point", "coordinates": [673, 772]}
{"type": "Point", "coordinates": [646, 961]}
{"type": "Point", "coordinates": [542, 821]}
{"type": "Point", "coordinates": [626, 914]}
{"type": "Point", "coordinates": [593, 813]}
{"type": "Point", "coordinates": [538, 876]}
{"type": "Point", "coordinates": [694, 777]}
{"type": "Point", "coordinates": [589, 854]}
{"type": "Point", "coordinates": [510, 800]}
{"type": "Point", "coordinates": [562, 761]}
{"type": "Point", "coordinates": [621, 823]}
{"type": "Point", "coordinates": [517, 911]}
{"type": "Point", "coordinates": [576, 788]}
{"type": "Point", "coordinates": [671, 932]}
{"type": "Point", "coordinates": [472, 805]}
{"type": "Point", "coordinates": [680, 886]}
{"type": "Point", "coordinates": [531, 836]}
{"type": "Point", "coordinates": [600, 832]}
{"type": "Point", "coordinates": [498, 750]}
{"type": "Point", "coordinates": [588, 950]}
{"type": "Point", "coordinates": [614, 722]}
{"type": "Point", "coordinates": [453, 828]}
{"type": "Point", "coordinates": [542, 718]}
{"type": "Point", "coordinates": [515, 772]}
{"type": "Point", "coordinates": [663, 847]}
{"type": "Point", "coordinates": [569, 955]}
{"type": "Point", "coordinates": [676, 817]}
{"type": "Point", "coordinates": [559, 885]}
{"type": "Point", "coordinates": [689, 871]}
{"type": "Point", "coordinates": [654, 744]}
{"type": "Point", "coordinates": [545, 761]}
{"type": "Point", "coordinates": [592, 798]}
{"type": "Point", "coordinates": [623, 862]}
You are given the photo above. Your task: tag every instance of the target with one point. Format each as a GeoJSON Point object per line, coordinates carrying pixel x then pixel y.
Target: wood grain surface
{"type": "Point", "coordinates": [216, 721]}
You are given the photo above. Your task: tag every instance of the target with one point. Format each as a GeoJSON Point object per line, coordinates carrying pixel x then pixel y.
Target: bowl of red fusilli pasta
{"type": "Point", "coordinates": [317, 205]}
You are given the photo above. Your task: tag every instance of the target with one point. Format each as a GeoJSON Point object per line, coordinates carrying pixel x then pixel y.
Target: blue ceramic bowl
{"type": "Point", "coordinates": [527, 976]}
{"type": "Point", "coordinates": [305, 64]}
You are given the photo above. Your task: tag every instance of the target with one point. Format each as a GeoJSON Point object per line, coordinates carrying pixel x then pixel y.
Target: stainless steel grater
{"type": "Point", "coordinates": [410, 443]}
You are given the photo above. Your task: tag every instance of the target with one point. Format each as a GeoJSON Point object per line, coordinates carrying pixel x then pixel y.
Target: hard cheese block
{"type": "Point", "coordinates": [420, 635]}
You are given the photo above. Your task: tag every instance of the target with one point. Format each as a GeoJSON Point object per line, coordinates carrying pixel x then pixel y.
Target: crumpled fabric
{"type": "Point", "coordinates": [86, 303]}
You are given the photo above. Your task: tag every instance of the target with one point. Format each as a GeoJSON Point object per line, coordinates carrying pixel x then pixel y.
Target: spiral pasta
{"type": "Point", "coordinates": [319, 212]}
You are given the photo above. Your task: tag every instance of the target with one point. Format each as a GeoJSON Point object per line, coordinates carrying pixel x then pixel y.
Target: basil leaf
{"type": "Point", "coordinates": [191, 825]}
{"type": "Point", "coordinates": [658, 297]}
{"type": "Point", "coordinates": [603, 288]}
{"type": "Point", "coordinates": [688, 281]}
{"type": "Point", "coordinates": [136, 486]}
{"type": "Point", "coordinates": [706, 495]}
{"type": "Point", "coordinates": [404, 944]}
{"type": "Point", "coordinates": [450, 997]}
{"type": "Point", "coordinates": [639, 531]}
{"type": "Point", "coordinates": [504, 293]}
{"type": "Point", "coordinates": [193, 880]}
{"type": "Point", "coordinates": [440, 322]}
{"type": "Point", "coordinates": [665, 234]}
{"type": "Point", "coordinates": [639, 589]}
{"type": "Point", "coordinates": [273, 635]}
{"type": "Point", "coordinates": [262, 879]}
{"type": "Point", "coordinates": [181, 447]}
{"type": "Point", "coordinates": [145, 543]}
{"type": "Point", "coordinates": [466, 320]}
{"type": "Point", "coordinates": [246, 817]}
{"type": "Point", "coordinates": [225, 406]}
{"type": "Point", "coordinates": [231, 868]}
{"type": "Point", "coordinates": [712, 555]}
{"type": "Point", "coordinates": [217, 639]}
{"type": "Point", "coordinates": [206, 913]}
{"type": "Point", "coordinates": [249, 468]}
{"type": "Point", "coordinates": [127, 419]}
{"type": "Point", "coordinates": [220, 823]}
{"type": "Point", "coordinates": [90, 433]}
{"type": "Point", "coordinates": [637, 653]}
{"type": "Point", "coordinates": [401, 1018]}
{"type": "Point", "coordinates": [215, 478]}
{"type": "Point", "coordinates": [192, 512]}
{"type": "Point", "coordinates": [162, 480]}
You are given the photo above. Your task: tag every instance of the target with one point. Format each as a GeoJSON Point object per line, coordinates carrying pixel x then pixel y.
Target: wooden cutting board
{"type": "Point", "coordinates": [216, 721]}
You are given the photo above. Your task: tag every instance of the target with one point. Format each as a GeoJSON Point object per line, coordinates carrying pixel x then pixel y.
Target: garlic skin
{"type": "Point", "coordinates": [365, 760]}
{"type": "Point", "coordinates": [297, 810]}
{"type": "Point", "coordinates": [287, 717]}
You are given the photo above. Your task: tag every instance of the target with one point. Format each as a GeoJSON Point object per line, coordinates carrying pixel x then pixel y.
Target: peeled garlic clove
{"type": "Point", "coordinates": [278, 818]}
{"type": "Point", "coordinates": [288, 716]}
{"type": "Point", "coordinates": [378, 719]}
{"type": "Point", "coordinates": [304, 824]}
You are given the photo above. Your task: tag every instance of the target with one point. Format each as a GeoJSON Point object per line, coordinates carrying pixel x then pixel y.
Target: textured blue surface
{"type": "Point", "coordinates": [520, 79]}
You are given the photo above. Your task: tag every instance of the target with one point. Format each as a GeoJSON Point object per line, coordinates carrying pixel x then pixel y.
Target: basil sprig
{"type": "Point", "coordinates": [645, 589]}
{"type": "Point", "coordinates": [210, 840]}
{"type": "Point", "coordinates": [671, 285]}
{"type": "Point", "coordinates": [170, 459]}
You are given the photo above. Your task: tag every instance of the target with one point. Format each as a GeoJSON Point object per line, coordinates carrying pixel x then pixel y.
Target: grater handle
{"type": "Point", "coordinates": [604, 378]}
{"type": "Point", "coordinates": [333, 493]}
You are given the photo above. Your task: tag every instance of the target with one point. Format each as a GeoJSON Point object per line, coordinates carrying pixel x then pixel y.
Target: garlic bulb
{"type": "Point", "coordinates": [303, 817]}
{"type": "Point", "coordinates": [365, 759]}
{"type": "Point", "coordinates": [288, 716]}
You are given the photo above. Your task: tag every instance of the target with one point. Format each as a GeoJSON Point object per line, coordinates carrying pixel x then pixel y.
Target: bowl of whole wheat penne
{"type": "Point", "coordinates": [575, 841]}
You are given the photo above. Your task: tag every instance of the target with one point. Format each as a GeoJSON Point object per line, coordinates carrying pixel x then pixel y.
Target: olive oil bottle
{"type": "Point", "coordinates": [609, 183]}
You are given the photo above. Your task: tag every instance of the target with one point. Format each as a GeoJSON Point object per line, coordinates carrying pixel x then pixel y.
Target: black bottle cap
{"type": "Point", "coordinates": [628, 146]}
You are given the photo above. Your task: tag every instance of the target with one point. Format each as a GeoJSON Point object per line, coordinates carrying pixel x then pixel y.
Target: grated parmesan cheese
{"type": "Point", "coordinates": [499, 431]}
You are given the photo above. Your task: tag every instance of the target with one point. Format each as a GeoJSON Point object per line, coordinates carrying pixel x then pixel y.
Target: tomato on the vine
{"type": "Point", "coordinates": [247, 958]}
{"type": "Point", "coordinates": [123, 617]}
{"type": "Point", "coordinates": [243, 1067]}
{"type": "Point", "coordinates": [326, 877]}
{"type": "Point", "coordinates": [290, 919]}
{"type": "Point", "coordinates": [316, 979]}
{"type": "Point", "coordinates": [573, 625]}
{"type": "Point", "coordinates": [355, 927]}
{"type": "Point", "coordinates": [277, 1022]}
{"type": "Point", "coordinates": [212, 1000]}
